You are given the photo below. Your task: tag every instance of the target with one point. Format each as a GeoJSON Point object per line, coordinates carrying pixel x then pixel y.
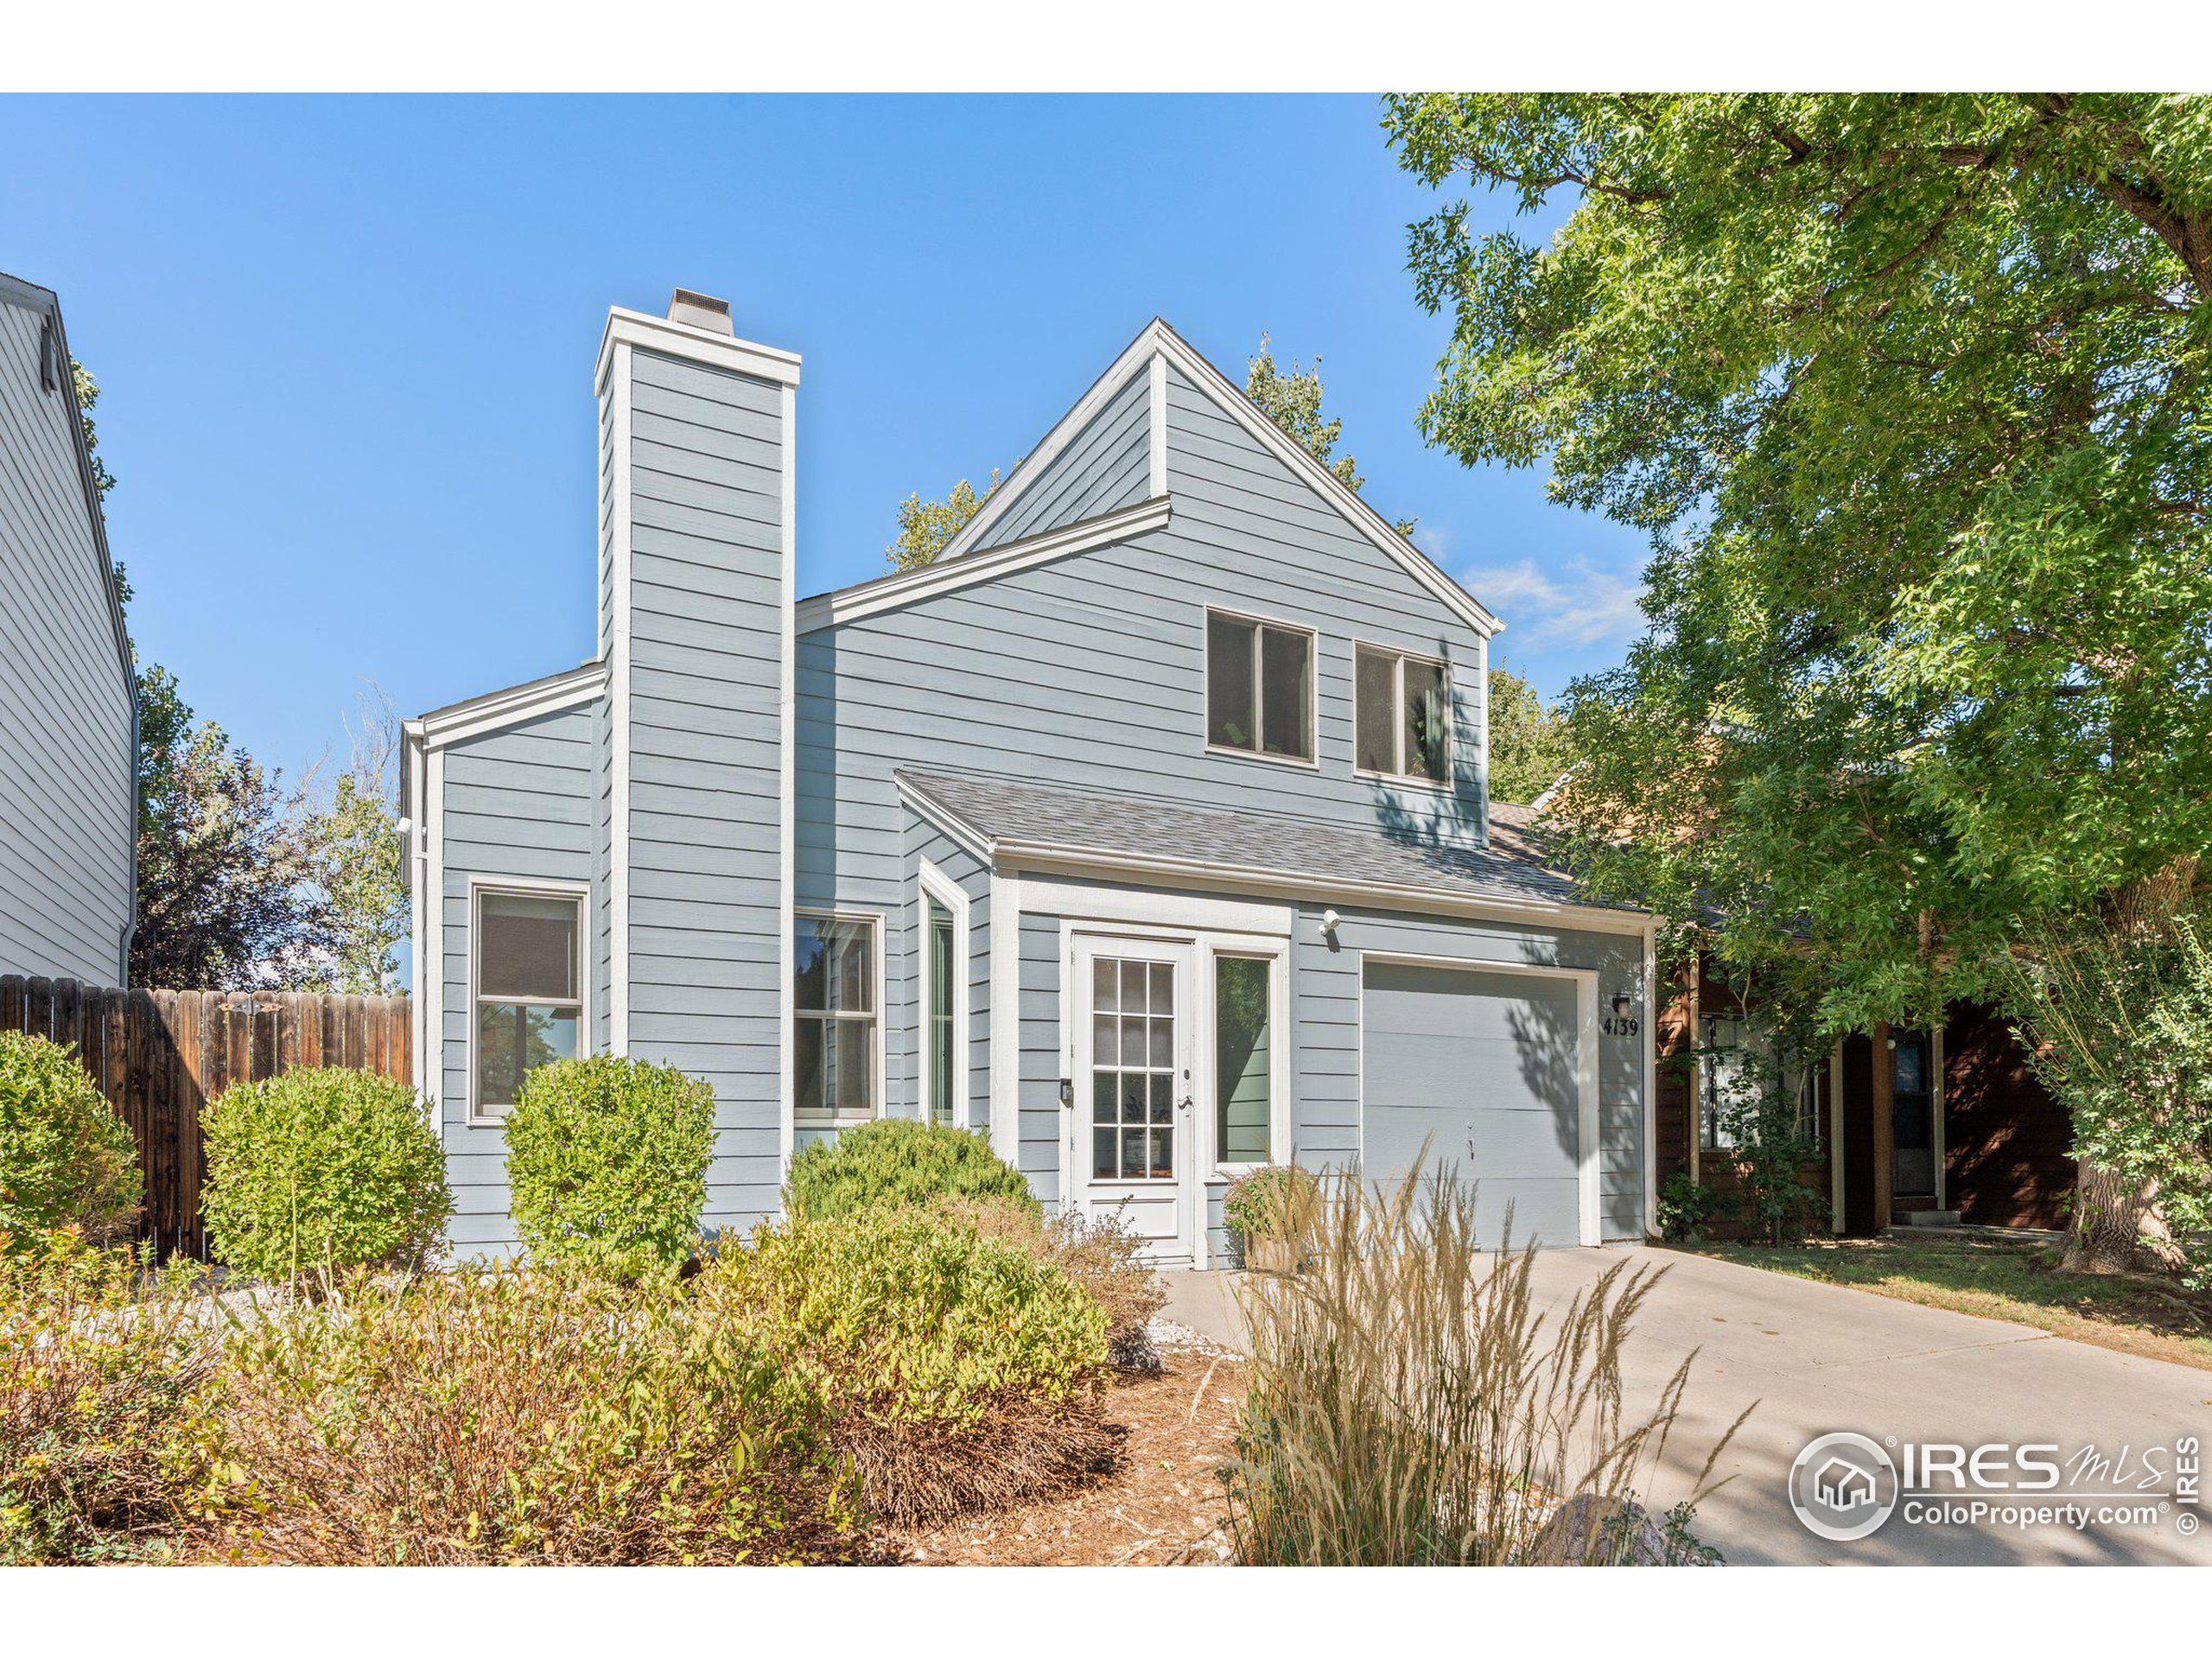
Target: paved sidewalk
{"type": "Point", "coordinates": [1817, 1357]}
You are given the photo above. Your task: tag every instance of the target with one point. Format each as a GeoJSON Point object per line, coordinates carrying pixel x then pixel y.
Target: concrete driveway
{"type": "Point", "coordinates": [1822, 1358]}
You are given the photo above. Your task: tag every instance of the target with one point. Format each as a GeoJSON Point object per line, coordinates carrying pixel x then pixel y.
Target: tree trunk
{"type": "Point", "coordinates": [2116, 1227]}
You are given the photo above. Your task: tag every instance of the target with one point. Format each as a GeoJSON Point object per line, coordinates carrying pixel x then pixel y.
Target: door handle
{"type": "Point", "coordinates": [1184, 1104]}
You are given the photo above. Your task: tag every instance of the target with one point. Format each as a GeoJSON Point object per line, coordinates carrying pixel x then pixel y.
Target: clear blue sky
{"type": "Point", "coordinates": [345, 346]}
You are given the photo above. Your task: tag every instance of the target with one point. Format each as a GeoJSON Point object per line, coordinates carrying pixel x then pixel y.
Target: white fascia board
{"type": "Point", "coordinates": [1044, 857]}
{"type": "Point", "coordinates": [1032, 466]}
{"type": "Point", "coordinates": [888, 593]}
{"type": "Point", "coordinates": [787, 795]}
{"type": "Point", "coordinates": [958, 831]}
{"type": "Point", "coordinates": [680, 339]}
{"type": "Point", "coordinates": [497, 711]}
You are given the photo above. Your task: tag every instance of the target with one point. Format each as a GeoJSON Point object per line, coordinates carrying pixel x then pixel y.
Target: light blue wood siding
{"type": "Point", "coordinates": [706, 470]}
{"type": "Point", "coordinates": [1105, 467]}
{"type": "Point", "coordinates": [517, 807]}
{"type": "Point", "coordinates": [67, 806]}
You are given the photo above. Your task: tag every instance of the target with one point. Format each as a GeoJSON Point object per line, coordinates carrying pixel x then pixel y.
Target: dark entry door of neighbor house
{"type": "Point", "coordinates": [1912, 1116]}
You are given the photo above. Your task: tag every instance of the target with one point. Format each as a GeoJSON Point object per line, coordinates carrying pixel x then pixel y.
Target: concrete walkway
{"type": "Point", "coordinates": [1819, 1357]}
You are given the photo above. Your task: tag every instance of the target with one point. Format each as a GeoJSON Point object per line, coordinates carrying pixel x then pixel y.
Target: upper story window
{"type": "Point", "coordinates": [1259, 687]}
{"type": "Point", "coordinates": [836, 1071]}
{"type": "Point", "coordinates": [1403, 720]}
{"type": "Point", "coordinates": [529, 977]}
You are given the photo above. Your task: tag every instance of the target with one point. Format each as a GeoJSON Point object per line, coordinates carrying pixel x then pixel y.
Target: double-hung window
{"type": "Point", "coordinates": [835, 1069]}
{"type": "Point", "coordinates": [529, 978]}
{"type": "Point", "coordinates": [1402, 715]}
{"type": "Point", "coordinates": [1259, 687]}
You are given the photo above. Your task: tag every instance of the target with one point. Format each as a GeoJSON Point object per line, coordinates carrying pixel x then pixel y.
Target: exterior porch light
{"type": "Point", "coordinates": [1329, 920]}
{"type": "Point", "coordinates": [1623, 1004]}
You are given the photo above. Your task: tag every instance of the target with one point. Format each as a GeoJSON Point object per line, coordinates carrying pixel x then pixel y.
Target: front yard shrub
{"type": "Point", "coordinates": [1101, 1254]}
{"type": "Point", "coordinates": [1265, 1205]}
{"type": "Point", "coordinates": [512, 1414]}
{"type": "Point", "coordinates": [1410, 1405]}
{"type": "Point", "coordinates": [99, 1361]}
{"type": "Point", "coordinates": [891, 1161]}
{"type": "Point", "coordinates": [67, 1161]}
{"type": "Point", "coordinates": [322, 1169]}
{"type": "Point", "coordinates": [1685, 1206]}
{"type": "Point", "coordinates": [606, 1161]}
{"type": "Point", "coordinates": [954, 1370]}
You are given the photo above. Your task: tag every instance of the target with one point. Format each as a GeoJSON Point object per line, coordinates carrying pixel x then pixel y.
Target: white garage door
{"type": "Point", "coordinates": [1486, 1067]}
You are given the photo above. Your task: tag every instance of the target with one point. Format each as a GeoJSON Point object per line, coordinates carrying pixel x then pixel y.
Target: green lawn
{"type": "Point", "coordinates": [2004, 1279]}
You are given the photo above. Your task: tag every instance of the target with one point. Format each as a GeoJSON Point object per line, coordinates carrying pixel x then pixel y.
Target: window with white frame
{"type": "Point", "coordinates": [1245, 1085]}
{"type": "Point", "coordinates": [942, 997]}
{"type": "Point", "coordinates": [836, 1029]}
{"type": "Point", "coordinates": [1401, 715]}
{"type": "Point", "coordinates": [528, 971]}
{"type": "Point", "coordinates": [1259, 687]}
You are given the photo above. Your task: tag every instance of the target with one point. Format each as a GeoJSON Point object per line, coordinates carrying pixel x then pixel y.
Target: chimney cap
{"type": "Point", "coordinates": [700, 311]}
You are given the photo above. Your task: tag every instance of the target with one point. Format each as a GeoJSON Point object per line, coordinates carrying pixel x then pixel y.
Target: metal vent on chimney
{"type": "Point", "coordinates": [700, 311]}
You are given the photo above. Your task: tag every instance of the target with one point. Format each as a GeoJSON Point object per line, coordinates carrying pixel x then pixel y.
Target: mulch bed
{"type": "Point", "coordinates": [1157, 1501]}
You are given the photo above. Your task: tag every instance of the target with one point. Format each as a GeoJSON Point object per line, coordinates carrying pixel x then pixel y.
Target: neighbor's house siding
{"type": "Point", "coordinates": [706, 489]}
{"type": "Point", "coordinates": [1107, 465]}
{"type": "Point", "coordinates": [516, 807]}
{"type": "Point", "coordinates": [1089, 672]}
{"type": "Point", "coordinates": [67, 806]}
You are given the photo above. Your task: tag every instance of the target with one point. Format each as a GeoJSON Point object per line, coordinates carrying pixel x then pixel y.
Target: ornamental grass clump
{"type": "Point", "coordinates": [100, 1359]}
{"type": "Point", "coordinates": [512, 1414]}
{"type": "Point", "coordinates": [606, 1162]}
{"type": "Point", "coordinates": [67, 1161]}
{"type": "Point", "coordinates": [952, 1370]}
{"type": "Point", "coordinates": [1409, 1406]}
{"type": "Point", "coordinates": [319, 1170]}
{"type": "Point", "coordinates": [890, 1161]}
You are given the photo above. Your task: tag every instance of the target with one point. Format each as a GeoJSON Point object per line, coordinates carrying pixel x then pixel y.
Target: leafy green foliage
{"type": "Point", "coordinates": [322, 1169]}
{"type": "Point", "coordinates": [889, 1162]}
{"type": "Point", "coordinates": [1764, 1144]}
{"type": "Point", "coordinates": [1529, 746]}
{"type": "Point", "coordinates": [100, 1362]}
{"type": "Point", "coordinates": [1266, 1204]}
{"type": "Point", "coordinates": [952, 1368]}
{"type": "Point", "coordinates": [67, 1161]}
{"type": "Point", "coordinates": [353, 857]}
{"type": "Point", "coordinates": [1685, 1206]}
{"type": "Point", "coordinates": [88, 394]}
{"type": "Point", "coordinates": [926, 528]}
{"type": "Point", "coordinates": [606, 1161]}
{"type": "Point", "coordinates": [1101, 1254]}
{"type": "Point", "coordinates": [2119, 1020]}
{"type": "Point", "coordinates": [1292, 402]}
{"type": "Point", "coordinates": [495, 1415]}
{"type": "Point", "coordinates": [1910, 392]}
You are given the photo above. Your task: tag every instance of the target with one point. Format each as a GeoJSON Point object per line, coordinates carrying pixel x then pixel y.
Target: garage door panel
{"type": "Point", "coordinates": [1483, 1065]}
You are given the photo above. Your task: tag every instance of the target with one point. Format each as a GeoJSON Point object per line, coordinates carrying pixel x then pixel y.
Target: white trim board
{"type": "Point", "coordinates": [1589, 1160]}
{"type": "Point", "coordinates": [704, 345]}
{"type": "Point", "coordinates": [787, 789]}
{"type": "Point", "coordinates": [907, 587]}
{"type": "Point", "coordinates": [613, 385]}
{"type": "Point", "coordinates": [512, 706]}
{"type": "Point", "coordinates": [1008, 897]}
{"type": "Point", "coordinates": [1157, 340]}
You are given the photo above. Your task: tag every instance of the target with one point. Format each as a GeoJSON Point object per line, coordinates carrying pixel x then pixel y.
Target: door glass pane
{"type": "Point", "coordinates": [1428, 731]}
{"type": "Point", "coordinates": [1105, 1097]}
{"type": "Point", "coordinates": [1163, 1043]}
{"type": "Point", "coordinates": [1105, 1155]}
{"type": "Point", "coordinates": [1132, 988]}
{"type": "Point", "coordinates": [1286, 693]}
{"type": "Point", "coordinates": [529, 946]}
{"type": "Point", "coordinates": [1105, 979]}
{"type": "Point", "coordinates": [1163, 988]}
{"type": "Point", "coordinates": [1231, 685]}
{"type": "Point", "coordinates": [1244, 1082]}
{"type": "Point", "coordinates": [1375, 696]}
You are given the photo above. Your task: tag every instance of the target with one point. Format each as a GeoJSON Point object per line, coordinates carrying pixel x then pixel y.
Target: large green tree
{"type": "Point", "coordinates": [926, 528]}
{"type": "Point", "coordinates": [1910, 392]}
{"type": "Point", "coordinates": [1528, 739]}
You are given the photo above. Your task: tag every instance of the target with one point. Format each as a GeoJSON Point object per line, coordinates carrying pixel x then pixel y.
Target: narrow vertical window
{"type": "Point", "coordinates": [1259, 687]}
{"type": "Point", "coordinates": [834, 1018]}
{"type": "Point", "coordinates": [529, 978]}
{"type": "Point", "coordinates": [1244, 1083]}
{"type": "Point", "coordinates": [938, 922]}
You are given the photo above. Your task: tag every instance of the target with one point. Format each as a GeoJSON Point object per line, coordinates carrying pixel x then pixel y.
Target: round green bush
{"type": "Point", "coordinates": [321, 1168]}
{"type": "Point", "coordinates": [66, 1158]}
{"type": "Point", "coordinates": [896, 1162]}
{"type": "Point", "coordinates": [606, 1161]}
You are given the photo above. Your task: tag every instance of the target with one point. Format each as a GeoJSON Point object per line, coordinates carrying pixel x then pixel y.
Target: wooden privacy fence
{"type": "Point", "coordinates": [160, 1056]}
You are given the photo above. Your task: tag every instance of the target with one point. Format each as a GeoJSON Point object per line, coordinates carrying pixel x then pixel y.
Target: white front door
{"type": "Point", "coordinates": [1130, 1137]}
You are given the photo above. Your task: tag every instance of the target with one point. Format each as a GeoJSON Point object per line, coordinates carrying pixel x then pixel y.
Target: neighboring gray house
{"type": "Point", "coordinates": [1145, 830]}
{"type": "Point", "coordinates": [69, 697]}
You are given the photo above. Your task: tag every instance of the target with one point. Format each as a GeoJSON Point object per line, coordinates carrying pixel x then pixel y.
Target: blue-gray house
{"type": "Point", "coordinates": [1146, 831]}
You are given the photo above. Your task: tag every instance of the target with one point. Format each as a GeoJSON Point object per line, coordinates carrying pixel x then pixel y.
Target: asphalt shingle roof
{"type": "Point", "coordinates": [1074, 820]}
